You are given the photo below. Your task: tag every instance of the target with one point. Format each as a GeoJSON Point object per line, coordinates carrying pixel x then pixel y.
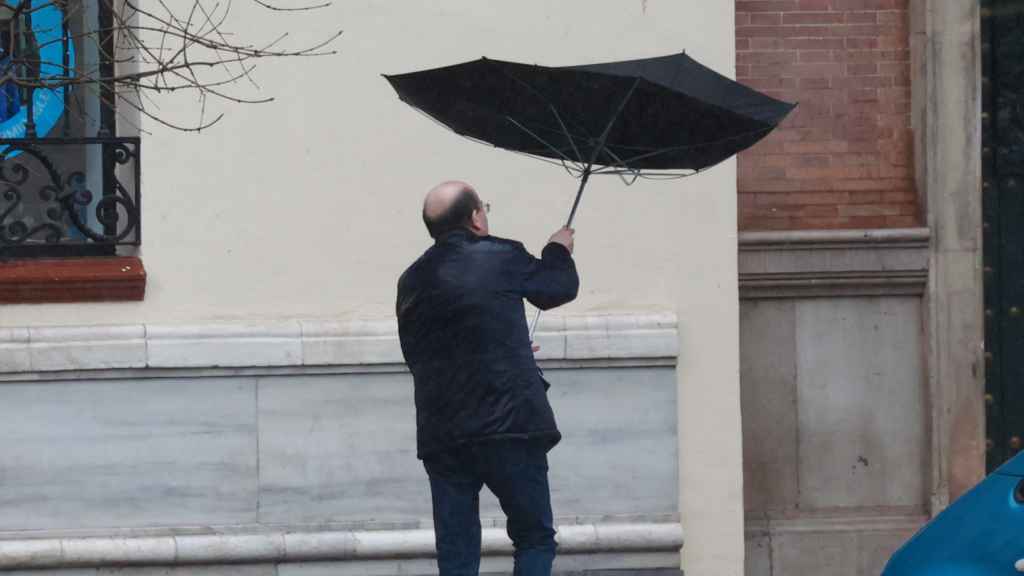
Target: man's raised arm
{"type": "Point", "coordinates": [551, 280]}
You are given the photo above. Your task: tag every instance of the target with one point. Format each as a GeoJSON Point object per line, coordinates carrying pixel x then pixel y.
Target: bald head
{"type": "Point", "coordinates": [453, 205]}
{"type": "Point", "coordinates": [441, 197]}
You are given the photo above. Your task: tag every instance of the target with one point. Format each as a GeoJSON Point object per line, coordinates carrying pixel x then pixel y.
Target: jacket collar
{"type": "Point", "coordinates": [457, 235]}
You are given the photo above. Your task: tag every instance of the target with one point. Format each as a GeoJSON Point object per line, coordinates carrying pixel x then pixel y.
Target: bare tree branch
{"type": "Point", "coordinates": [201, 47]}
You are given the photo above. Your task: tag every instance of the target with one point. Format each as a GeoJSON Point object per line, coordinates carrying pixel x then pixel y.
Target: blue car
{"type": "Point", "coordinates": [981, 534]}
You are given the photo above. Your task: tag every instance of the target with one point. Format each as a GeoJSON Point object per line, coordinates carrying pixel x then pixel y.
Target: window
{"type": "Point", "coordinates": [69, 184]}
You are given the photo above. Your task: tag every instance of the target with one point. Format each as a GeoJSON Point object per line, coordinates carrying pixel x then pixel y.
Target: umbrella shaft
{"type": "Point", "coordinates": [597, 150]}
{"type": "Point", "coordinates": [579, 195]}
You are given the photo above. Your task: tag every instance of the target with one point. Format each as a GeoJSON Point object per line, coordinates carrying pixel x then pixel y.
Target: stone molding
{"type": "Point", "coordinates": [304, 343]}
{"type": "Point", "coordinates": [833, 263]}
{"type": "Point", "coordinates": [836, 523]}
{"type": "Point", "coordinates": [284, 546]}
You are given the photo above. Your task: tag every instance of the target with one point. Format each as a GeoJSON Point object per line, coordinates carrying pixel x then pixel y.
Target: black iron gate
{"type": "Point", "coordinates": [1003, 207]}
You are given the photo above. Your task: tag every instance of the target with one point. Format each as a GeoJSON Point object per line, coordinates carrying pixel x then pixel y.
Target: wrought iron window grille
{"type": "Point", "coordinates": [68, 186]}
{"type": "Point", "coordinates": [71, 213]}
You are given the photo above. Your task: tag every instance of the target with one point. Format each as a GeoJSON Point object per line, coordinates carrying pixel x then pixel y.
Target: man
{"type": "Point", "coordinates": [482, 413]}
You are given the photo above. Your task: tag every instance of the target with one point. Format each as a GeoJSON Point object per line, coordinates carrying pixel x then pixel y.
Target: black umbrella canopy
{"type": "Point", "coordinates": [665, 113]}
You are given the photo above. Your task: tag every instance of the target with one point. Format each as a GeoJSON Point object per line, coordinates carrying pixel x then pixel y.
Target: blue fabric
{"type": "Point", "coordinates": [979, 534]}
{"type": "Point", "coordinates": [10, 99]}
{"type": "Point", "coordinates": [516, 471]}
{"type": "Point", "coordinates": [463, 330]}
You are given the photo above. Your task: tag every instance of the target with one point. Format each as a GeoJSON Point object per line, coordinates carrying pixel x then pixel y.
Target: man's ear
{"type": "Point", "coordinates": [477, 220]}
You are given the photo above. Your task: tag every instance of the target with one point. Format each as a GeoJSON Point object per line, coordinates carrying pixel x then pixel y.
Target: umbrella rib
{"type": "Point", "coordinates": [675, 175]}
{"type": "Point", "coordinates": [546, 101]}
{"type": "Point", "coordinates": [635, 173]}
{"type": "Point", "coordinates": [572, 168]}
{"type": "Point", "coordinates": [572, 141]}
{"type": "Point", "coordinates": [539, 139]}
{"type": "Point", "coordinates": [576, 165]}
{"type": "Point", "coordinates": [601, 144]}
{"type": "Point", "coordinates": [659, 151]}
{"type": "Point", "coordinates": [576, 169]}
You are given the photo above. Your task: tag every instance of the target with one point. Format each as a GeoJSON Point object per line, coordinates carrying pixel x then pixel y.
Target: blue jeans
{"type": "Point", "coordinates": [516, 471]}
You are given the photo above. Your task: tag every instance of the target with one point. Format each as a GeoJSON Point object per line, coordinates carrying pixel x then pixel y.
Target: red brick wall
{"type": "Point", "coordinates": [843, 158]}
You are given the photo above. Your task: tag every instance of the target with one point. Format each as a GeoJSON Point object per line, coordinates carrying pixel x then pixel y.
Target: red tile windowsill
{"type": "Point", "coordinates": [96, 279]}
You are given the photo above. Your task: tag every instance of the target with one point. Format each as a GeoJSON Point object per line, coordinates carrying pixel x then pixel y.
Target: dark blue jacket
{"type": "Point", "coordinates": [462, 325]}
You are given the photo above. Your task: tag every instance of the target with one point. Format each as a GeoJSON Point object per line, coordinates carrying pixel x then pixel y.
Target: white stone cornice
{"type": "Point", "coordinates": [224, 345]}
{"type": "Point", "coordinates": [833, 263]}
{"type": "Point", "coordinates": [327, 343]}
{"type": "Point", "coordinates": [285, 546]}
{"type": "Point", "coordinates": [901, 236]}
{"type": "Point", "coordinates": [304, 343]}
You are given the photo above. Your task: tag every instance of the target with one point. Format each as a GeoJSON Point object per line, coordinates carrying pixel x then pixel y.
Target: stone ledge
{"type": "Point", "coordinates": [64, 280]}
{"type": "Point", "coordinates": [889, 522]}
{"type": "Point", "coordinates": [860, 540]}
{"type": "Point", "coordinates": [311, 546]}
{"type": "Point", "coordinates": [882, 236]}
{"type": "Point", "coordinates": [304, 343]}
{"type": "Point", "coordinates": [811, 264]}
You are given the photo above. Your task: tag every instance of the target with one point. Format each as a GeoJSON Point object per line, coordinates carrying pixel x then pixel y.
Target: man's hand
{"type": "Point", "coordinates": [564, 236]}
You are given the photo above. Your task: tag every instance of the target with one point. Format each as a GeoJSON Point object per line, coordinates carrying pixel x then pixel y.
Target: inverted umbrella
{"type": "Point", "coordinates": [668, 115]}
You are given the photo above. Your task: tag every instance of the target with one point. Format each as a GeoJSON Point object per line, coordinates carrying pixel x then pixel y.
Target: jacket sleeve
{"type": "Point", "coordinates": [403, 300]}
{"type": "Point", "coordinates": [549, 281]}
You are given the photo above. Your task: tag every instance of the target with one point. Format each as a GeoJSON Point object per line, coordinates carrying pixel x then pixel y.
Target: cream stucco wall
{"type": "Point", "coordinates": [310, 206]}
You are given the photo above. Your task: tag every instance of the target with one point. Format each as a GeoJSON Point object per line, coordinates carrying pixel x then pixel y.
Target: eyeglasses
{"type": "Point", "coordinates": [486, 206]}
